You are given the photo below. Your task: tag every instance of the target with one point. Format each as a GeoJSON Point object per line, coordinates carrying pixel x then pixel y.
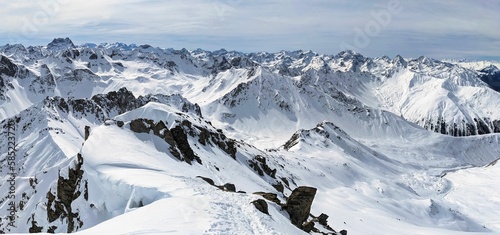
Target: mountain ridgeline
{"type": "Point", "coordinates": [438, 96]}
{"type": "Point", "coordinates": [112, 129]}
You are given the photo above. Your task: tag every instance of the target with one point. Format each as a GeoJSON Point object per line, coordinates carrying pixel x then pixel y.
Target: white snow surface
{"type": "Point", "coordinates": [347, 125]}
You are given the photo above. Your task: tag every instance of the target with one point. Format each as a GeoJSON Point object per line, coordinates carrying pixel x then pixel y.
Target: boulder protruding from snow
{"type": "Point", "coordinates": [261, 205]}
{"type": "Point", "coordinates": [299, 204]}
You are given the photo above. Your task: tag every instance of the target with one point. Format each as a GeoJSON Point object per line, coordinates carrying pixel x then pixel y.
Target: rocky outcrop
{"type": "Point", "coordinates": [180, 137]}
{"type": "Point", "coordinates": [228, 187]}
{"type": "Point", "coordinates": [273, 197]}
{"type": "Point", "coordinates": [141, 125]}
{"type": "Point", "coordinates": [259, 164]}
{"type": "Point", "coordinates": [218, 139]}
{"type": "Point", "coordinates": [118, 102]}
{"type": "Point", "coordinates": [67, 191]}
{"type": "Point", "coordinates": [322, 219]}
{"type": "Point", "coordinates": [87, 132]}
{"type": "Point", "coordinates": [299, 204]}
{"type": "Point", "coordinates": [179, 147]}
{"type": "Point", "coordinates": [261, 206]}
{"type": "Point", "coordinates": [7, 67]}
{"type": "Point", "coordinates": [177, 137]}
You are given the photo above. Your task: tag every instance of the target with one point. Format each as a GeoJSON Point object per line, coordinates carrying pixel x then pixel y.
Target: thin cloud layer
{"type": "Point", "coordinates": [440, 29]}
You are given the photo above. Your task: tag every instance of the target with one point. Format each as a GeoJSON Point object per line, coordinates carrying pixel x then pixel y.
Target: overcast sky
{"type": "Point", "coordinates": [440, 29]}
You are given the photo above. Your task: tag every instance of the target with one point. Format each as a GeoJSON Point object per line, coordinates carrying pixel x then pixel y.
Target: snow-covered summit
{"type": "Point", "coordinates": [60, 44]}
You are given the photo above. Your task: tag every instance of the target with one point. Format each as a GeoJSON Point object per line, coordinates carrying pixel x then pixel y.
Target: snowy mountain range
{"type": "Point", "coordinates": [127, 139]}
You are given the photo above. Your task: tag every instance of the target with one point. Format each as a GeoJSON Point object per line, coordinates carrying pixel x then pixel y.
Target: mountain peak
{"type": "Point", "coordinates": [490, 69]}
{"type": "Point", "coordinates": [60, 43]}
{"type": "Point", "coordinates": [399, 60]}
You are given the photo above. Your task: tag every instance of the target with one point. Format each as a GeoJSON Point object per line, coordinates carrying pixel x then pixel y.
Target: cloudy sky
{"type": "Point", "coordinates": [441, 29]}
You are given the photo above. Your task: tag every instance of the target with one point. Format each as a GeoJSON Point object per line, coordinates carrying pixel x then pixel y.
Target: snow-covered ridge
{"type": "Point", "coordinates": [445, 97]}
{"type": "Point", "coordinates": [111, 134]}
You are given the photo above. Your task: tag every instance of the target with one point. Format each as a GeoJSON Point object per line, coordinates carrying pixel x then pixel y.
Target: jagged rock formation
{"type": "Point", "coordinates": [59, 203]}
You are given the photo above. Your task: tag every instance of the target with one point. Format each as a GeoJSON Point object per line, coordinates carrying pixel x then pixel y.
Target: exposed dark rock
{"type": "Point", "coordinates": [343, 232]}
{"type": "Point", "coordinates": [7, 67]}
{"type": "Point", "coordinates": [60, 43]}
{"type": "Point", "coordinates": [170, 64]}
{"type": "Point", "coordinates": [71, 53]}
{"type": "Point", "coordinates": [478, 126]}
{"type": "Point", "coordinates": [322, 219]}
{"type": "Point", "coordinates": [157, 130]}
{"type": "Point", "coordinates": [270, 197]}
{"type": "Point", "coordinates": [120, 123]}
{"type": "Point", "coordinates": [220, 140]}
{"type": "Point", "coordinates": [220, 65]}
{"type": "Point", "coordinates": [482, 127]}
{"type": "Point", "coordinates": [261, 205]}
{"type": "Point", "coordinates": [52, 229]}
{"type": "Point", "coordinates": [256, 168]}
{"type": "Point", "coordinates": [208, 180]}
{"type": "Point", "coordinates": [308, 226]}
{"type": "Point", "coordinates": [59, 205]}
{"type": "Point", "coordinates": [299, 204]}
{"type": "Point", "coordinates": [204, 136]}
{"type": "Point", "coordinates": [34, 228]}
{"type": "Point", "coordinates": [294, 140]}
{"type": "Point", "coordinates": [79, 75]}
{"type": "Point", "coordinates": [279, 187]}
{"type": "Point", "coordinates": [181, 139]}
{"type": "Point", "coordinates": [496, 126]}
{"type": "Point", "coordinates": [168, 137]}
{"type": "Point", "coordinates": [122, 101]}
{"type": "Point", "coordinates": [140, 125]}
{"type": "Point", "coordinates": [229, 187]}
{"type": "Point", "coordinates": [176, 137]}
{"type": "Point", "coordinates": [86, 192]}
{"type": "Point", "coordinates": [259, 165]}
{"type": "Point", "coordinates": [491, 75]}
{"type": "Point", "coordinates": [87, 132]}
{"type": "Point", "coordinates": [285, 181]}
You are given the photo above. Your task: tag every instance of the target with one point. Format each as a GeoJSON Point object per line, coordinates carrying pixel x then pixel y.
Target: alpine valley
{"type": "Point", "coordinates": [126, 139]}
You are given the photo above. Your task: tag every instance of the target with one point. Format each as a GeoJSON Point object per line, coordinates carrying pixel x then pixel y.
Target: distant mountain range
{"type": "Point", "coordinates": [109, 134]}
